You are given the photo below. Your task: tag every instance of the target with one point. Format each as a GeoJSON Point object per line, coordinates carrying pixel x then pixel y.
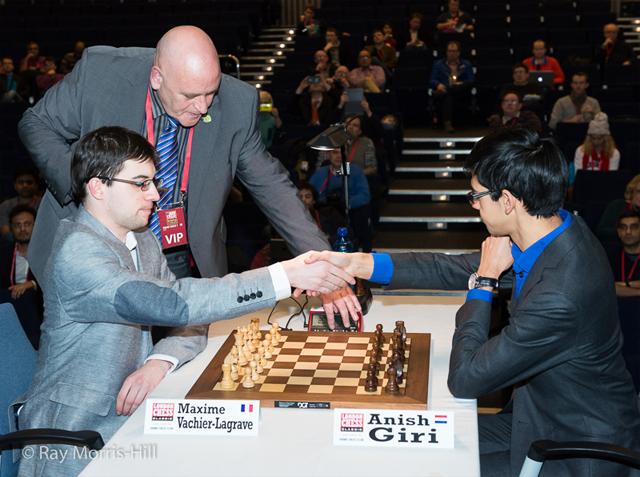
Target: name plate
{"type": "Point", "coordinates": [391, 428]}
{"type": "Point", "coordinates": [202, 417]}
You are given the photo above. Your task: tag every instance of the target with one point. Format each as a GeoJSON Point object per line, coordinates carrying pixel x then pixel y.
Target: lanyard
{"type": "Point", "coordinates": [633, 267]}
{"type": "Point", "coordinates": [151, 139]}
{"type": "Point", "coordinates": [354, 149]}
{"type": "Point", "coordinates": [326, 180]}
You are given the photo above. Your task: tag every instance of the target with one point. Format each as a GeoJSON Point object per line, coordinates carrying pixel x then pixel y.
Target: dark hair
{"type": "Point", "coordinates": [376, 30]}
{"type": "Point", "coordinates": [581, 73]}
{"type": "Point", "coordinates": [333, 29]}
{"type": "Point", "coordinates": [628, 214]}
{"type": "Point", "coordinates": [26, 171]}
{"type": "Point", "coordinates": [455, 42]}
{"type": "Point", "coordinates": [510, 91]}
{"type": "Point", "coordinates": [540, 39]}
{"type": "Point", "coordinates": [307, 186]}
{"type": "Point", "coordinates": [518, 160]}
{"type": "Point", "coordinates": [417, 15]}
{"type": "Point", "coordinates": [19, 209]}
{"type": "Point", "coordinates": [519, 65]}
{"type": "Point", "coordinates": [103, 152]}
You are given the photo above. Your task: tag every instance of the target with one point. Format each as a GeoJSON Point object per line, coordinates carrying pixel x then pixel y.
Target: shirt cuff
{"type": "Point", "coordinates": [281, 284]}
{"type": "Point", "coordinates": [164, 357]}
{"type": "Point", "coordinates": [382, 268]}
{"type": "Point", "coordinates": [477, 294]}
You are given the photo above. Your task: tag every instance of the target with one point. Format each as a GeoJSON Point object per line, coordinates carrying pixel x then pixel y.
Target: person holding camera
{"type": "Point", "coordinates": [269, 121]}
{"type": "Point", "coordinates": [315, 104]}
{"type": "Point", "coordinates": [369, 77]}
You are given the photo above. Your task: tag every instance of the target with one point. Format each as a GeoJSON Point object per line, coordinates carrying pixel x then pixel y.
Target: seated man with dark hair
{"type": "Point", "coordinates": [561, 350]}
{"type": "Point", "coordinates": [25, 183]}
{"type": "Point", "coordinates": [382, 53]}
{"type": "Point", "coordinates": [625, 256]}
{"type": "Point", "coordinates": [512, 116]}
{"type": "Point", "coordinates": [531, 94]}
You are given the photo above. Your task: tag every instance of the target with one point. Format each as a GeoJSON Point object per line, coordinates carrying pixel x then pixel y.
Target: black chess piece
{"type": "Point", "coordinates": [398, 365]}
{"type": "Point", "coordinates": [392, 383]}
{"type": "Point", "coordinates": [371, 384]}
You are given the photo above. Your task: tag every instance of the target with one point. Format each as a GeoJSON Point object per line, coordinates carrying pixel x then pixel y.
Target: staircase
{"type": "Point", "coordinates": [426, 208]}
{"type": "Point", "coordinates": [630, 28]}
{"type": "Point", "coordinates": [266, 53]}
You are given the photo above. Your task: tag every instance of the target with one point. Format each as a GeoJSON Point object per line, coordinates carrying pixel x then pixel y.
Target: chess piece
{"type": "Point", "coordinates": [242, 360]}
{"type": "Point", "coordinates": [379, 329]}
{"type": "Point", "coordinates": [267, 344]}
{"type": "Point", "coordinates": [254, 371]}
{"type": "Point", "coordinates": [227, 382]}
{"type": "Point", "coordinates": [259, 368]}
{"type": "Point", "coordinates": [392, 383]}
{"type": "Point", "coordinates": [247, 382]}
{"type": "Point", "coordinates": [234, 372]}
{"type": "Point", "coordinates": [371, 384]}
{"type": "Point", "coordinates": [398, 365]}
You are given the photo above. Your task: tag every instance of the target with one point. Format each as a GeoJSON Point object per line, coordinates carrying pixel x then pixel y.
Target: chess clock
{"type": "Point", "coordinates": [318, 322]}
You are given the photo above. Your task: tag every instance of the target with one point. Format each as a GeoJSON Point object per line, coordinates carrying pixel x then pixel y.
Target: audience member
{"type": "Point", "coordinates": [614, 50]}
{"type": "Point", "coordinates": [269, 121]}
{"type": "Point", "coordinates": [415, 36]}
{"type": "Point", "coordinates": [322, 65]}
{"type": "Point", "coordinates": [48, 76]}
{"type": "Point", "coordinates": [512, 115]}
{"type": "Point", "coordinates": [17, 284]}
{"type": "Point", "coordinates": [606, 230]}
{"type": "Point", "coordinates": [308, 25]}
{"type": "Point", "coordinates": [383, 53]}
{"type": "Point", "coordinates": [8, 82]}
{"type": "Point", "coordinates": [454, 20]}
{"type": "Point", "coordinates": [369, 77]}
{"type": "Point", "coordinates": [32, 61]}
{"type": "Point", "coordinates": [598, 152]}
{"type": "Point", "coordinates": [328, 182]}
{"type": "Point", "coordinates": [531, 93]}
{"type": "Point", "coordinates": [576, 107]}
{"type": "Point", "coordinates": [387, 29]}
{"type": "Point", "coordinates": [337, 49]}
{"type": "Point", "coordinates": [339, 83]}
{"type": "Point", "coordinates": [315, 105]}
{"type": "Point", "coordinates": [70, 58]}
{"type": "Point", "coordinates": [327, 217]}
{"type": "Point", "coordinates": [451, 81]}
{"type": "Point", "coordinates": [540, 61]}
{"type": "Point", "coordinates": [25, 183]}
{"type": "Point", "coordinates": [624, 257]}
{"type": "Point", "coordinates": [360, 149]}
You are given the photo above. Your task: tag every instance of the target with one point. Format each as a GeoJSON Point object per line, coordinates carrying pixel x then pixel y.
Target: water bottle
{"type": "Point", "coordinates": [343, 243]}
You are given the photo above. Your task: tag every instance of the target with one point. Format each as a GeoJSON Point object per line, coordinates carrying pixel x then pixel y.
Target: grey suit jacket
{"type": "Point", "coordinates": [108, 87]}
{"type": "Point", "coordinates": [96, 330]}
{"type": "Point", "coordinates": [561, 348]}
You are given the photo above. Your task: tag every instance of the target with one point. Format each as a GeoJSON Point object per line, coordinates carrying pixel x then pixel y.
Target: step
{"type": "Point", "coordinates": [272, 43]}
{"type": "Point", "coordinates": [269, 50]}
{"type": "Point", "coordinates": [277, 29]}
{"type": "Point", "coordinates": [275, 36]}
{"type": "Point", "coordinates": [437, 241]}
{"type": "Point", "coordinates": [258, 82]}
{"type": "Point", "coordinates": [264, 58]}
{"type": "Point", "coordinates": [259, 75]}
{"type": "Point", "coordinates": [443, 139]}
{"type": "Point", "coordinates": [260, 65]}
{"type": "Point", "coordinates": [428, 213]}
{"type": "Point", "coordinates": [439, 187]}
{"type": "Point", "coordinates": [430, 167]}
{"type": "Point", "coordinates": [441, 153]}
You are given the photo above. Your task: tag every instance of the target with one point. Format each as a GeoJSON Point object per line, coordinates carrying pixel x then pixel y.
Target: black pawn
{"type": "Point", "coordinates": [371, 384]}
{"type": "Point", "coordinates": [392, 383]}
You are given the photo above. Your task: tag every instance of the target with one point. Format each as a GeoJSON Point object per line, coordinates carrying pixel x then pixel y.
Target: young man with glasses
{"type": "Point", "coordinates": [107, 283]}
{"type": "Point", "coordinates": [561, 348]}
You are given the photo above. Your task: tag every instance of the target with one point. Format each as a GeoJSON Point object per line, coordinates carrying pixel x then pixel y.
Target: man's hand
{"type": "Point", "coordinates": [139, 384]}
{"type": "Point", "coordinates": [318, 276]}
{"type": "Point", "coordinates": [18, 290]}
{"type": "Point", "coordinates": [441, 87]}
{"type": "Point", "coordinates": [343, 301]}
{"type": "Point", "coordinates": [496, 257]}
{"type": "Point", "coordinates": [355, 264]}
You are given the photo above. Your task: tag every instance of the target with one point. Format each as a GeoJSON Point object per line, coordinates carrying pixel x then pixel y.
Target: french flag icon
{"type": "Point", "coordinates": [246, 407]}
{"type": "Point", "coordinates": [441, 419]}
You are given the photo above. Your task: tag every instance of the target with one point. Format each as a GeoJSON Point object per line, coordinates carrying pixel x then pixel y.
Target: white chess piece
{"type": "Point", "coordinates": [227, 382]}
{"type": "Point", "coordinates": [254, 371]}
{"type": "Point", "coordinates": [234, 372]}
{"type": "Point", "coordinates": [247, 382]}
{"type": "Point", "coordinates": [259, 368]}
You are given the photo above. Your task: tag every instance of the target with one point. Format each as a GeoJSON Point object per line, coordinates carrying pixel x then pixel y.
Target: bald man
{"type": "Point", "coordinates": [145, 90]}
{"type": "Point", "coordinates": [613, 50]}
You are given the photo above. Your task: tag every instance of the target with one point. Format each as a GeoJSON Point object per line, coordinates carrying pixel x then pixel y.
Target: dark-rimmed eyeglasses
{"type": "Point", "coordinates": [142, 185]}
{"type": "Point", "coordinates": [472, 196]}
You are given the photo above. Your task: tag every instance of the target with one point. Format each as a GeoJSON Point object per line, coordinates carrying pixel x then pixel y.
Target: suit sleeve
{"type": "Point", "coordinates": [268, 182]}
{"type": "Point", "coordinates": [539, 336]}
{"type": "Point", "coordinates": [51, 127]}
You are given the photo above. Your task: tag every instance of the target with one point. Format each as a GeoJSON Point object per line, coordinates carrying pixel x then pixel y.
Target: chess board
{"type": "Point", "coordinates": [328, 368]}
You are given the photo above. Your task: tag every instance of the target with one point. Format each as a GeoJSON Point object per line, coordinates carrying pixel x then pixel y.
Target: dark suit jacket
{"type": "Point", "coordinates": [561, 349]}
{"type": "Point", "coordinates": [108, 86]}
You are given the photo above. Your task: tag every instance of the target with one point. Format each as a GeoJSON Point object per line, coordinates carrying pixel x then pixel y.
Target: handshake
{"type": "Point", "coordinates": [328, 274]}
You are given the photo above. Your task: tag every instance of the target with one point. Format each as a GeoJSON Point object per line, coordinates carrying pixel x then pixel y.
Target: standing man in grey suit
{"type": "Point", "coordinates": [107, 282]}
{"type": "Point", "coordinates": [215, 138]}
{"type": "Point", "coordinates": [561, 348]}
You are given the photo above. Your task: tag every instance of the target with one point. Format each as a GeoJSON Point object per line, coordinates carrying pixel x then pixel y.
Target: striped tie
{"type": "Point", "coordinates": [167, 148]}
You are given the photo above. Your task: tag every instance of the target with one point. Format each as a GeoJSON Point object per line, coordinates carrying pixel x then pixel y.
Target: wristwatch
{"type": "Point", "coordinates": [476, 281]}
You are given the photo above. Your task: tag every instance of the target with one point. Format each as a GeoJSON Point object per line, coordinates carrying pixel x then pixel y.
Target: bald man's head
{"type": "Point", "coordinates": [186, 73]}
{"type": "Point", "coordinates": [610, 32]}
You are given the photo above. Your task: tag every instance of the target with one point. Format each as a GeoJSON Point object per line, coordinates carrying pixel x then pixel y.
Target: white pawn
{"type": "Point", "coordinates": [266, 345]}
{"type": "Point", "coordinates": [234, 372]}
{"type": "Point", "coordinates": [227, 382]}
{"type": "Point", "coordinates": [254, 372]}
{"type": "Point", "coordinates": [259, 368]}
{"type": "Point", "coordinates": [247, 382]}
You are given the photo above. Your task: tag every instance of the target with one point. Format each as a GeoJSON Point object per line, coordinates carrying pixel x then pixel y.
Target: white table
{"type": "Point", "coordinates": [295, 442]}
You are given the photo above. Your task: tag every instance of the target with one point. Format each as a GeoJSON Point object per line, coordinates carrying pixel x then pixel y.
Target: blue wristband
{"type": "Point", "coordinates": [477, 294]}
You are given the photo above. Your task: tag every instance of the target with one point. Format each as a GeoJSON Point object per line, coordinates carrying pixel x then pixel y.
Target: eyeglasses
{"type": "Point", "coordinates": [472, 196]}
{"type": "Point", "coordinates": [142, 185]}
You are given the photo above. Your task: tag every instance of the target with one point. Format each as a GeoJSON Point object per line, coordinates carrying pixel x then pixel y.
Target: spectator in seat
{"type": "Point", "coordinates": [308, 25]}
{"type": "Point", "coordinates": [512, 115]}
{"type": "Point", "coordinates": [49, 76]}
{"type": "Point", "coordinates": [70, 59]}
{"type": "Point", "coordinates": [384, 54]}
{"type": "Point", "coordinates": [360, 149]}
{"type": "Point", "coordinates": [8, 81]}
{"type": "Point", "coordinates": [32, 61]}
{"type": "Point", "coordinates": [624, 256]}
{"type": "Point", "coordinates": [369, 77]}
{"type": "Point", "coordinates": [531, 93]}
{"type": "Point", "coordinates": [454, 20]}
{"type": "Point", "coordinates": [339, 83]}
{"type": "Point", "coordinates": [17, 284]}
{"type": "Point", "coordinates": [328, 218]}
{"type": "Point", "coordinates": [540, 61]}
{"type": "Point", "coordinates": [415, 36]}
{"type": "Point", "coordinates": [387, 29]}
{"type": "Point", "coordinates": [613, 50]}
{"type": "Point", "coordinates": [269, 121]}
{"type": "Point", "coordinates": [337, 49]}
{"type": "Point", "coordinates": [598, 152]}
{"type": "Point", "coordinates": [451, 81]}
{"type": "Point", "coordinates": [322, 65]}
{"type": "Point", "coordinates": [25, 183]}
{"type": "Point", "coordinates": [316, 106]}
{"type": "Point", "coordinates": [576, 107]}
{"type": "Point", "coordinates": [606, 230]}
{"type": "Point", "coordinates": [328, 183]}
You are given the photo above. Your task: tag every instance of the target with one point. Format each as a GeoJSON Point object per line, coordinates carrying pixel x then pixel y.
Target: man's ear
{"type": "Point", "coordinates": [95, 188]}
{"type": "Point", "coordinates": [508, 201]}
{"type": "Point", "coordinates": [155, 77]}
